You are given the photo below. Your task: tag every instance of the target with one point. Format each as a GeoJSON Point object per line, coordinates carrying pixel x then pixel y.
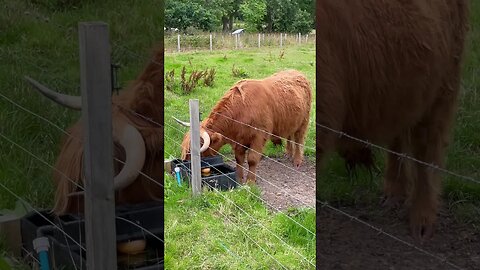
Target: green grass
{"type": "Point", "coordinates": [211, 232]}
{"type": "Point", "coordinates": [461, 196]}
{"type": "Point", "coordinates": [42, 41]}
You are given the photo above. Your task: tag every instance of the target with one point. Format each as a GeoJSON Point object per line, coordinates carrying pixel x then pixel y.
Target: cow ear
{"type": "Point", "coordinates": [216, 137]}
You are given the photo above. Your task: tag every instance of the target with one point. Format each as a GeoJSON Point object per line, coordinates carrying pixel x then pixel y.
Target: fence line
{"type": "Point", "coordinates": [399, 155]}
{"type": "Point", "coordinates": [227, 41]}
{"type": "Point", "coordinates": [256, 196]}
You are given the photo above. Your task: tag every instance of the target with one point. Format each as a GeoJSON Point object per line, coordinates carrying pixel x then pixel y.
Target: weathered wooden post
{"type": "Point", "coordinates": [211, 47]}
{"type": "Point", "coordinates": [195, 147]}
{"type": "Point", "coordinates": [259, 37]}
{"type": "Point", "coordinates": [178, 43]}
{"type": "Point", "coordinates": [281, 40]}
{"type": "Point", "coordinates": [96, 88]}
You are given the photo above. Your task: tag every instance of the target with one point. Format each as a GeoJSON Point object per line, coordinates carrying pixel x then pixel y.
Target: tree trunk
{"type": "Point", "coordinates": [225, 23]}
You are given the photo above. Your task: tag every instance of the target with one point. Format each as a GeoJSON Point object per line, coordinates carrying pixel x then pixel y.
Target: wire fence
{"type": "Point", "coordinates": [227, 41]}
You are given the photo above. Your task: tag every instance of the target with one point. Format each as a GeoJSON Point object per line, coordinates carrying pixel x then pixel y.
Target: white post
{"type": "Point", "coordinates": [306, 38]}
{"type": "Point", "coordinates": [281, 40]}
{"type": "Point", "coordinates": [259, 37]}
{"type": "Point", "coordinates": [195, 147]}
{"type": "Point", "coordinates": [236, 41]}
{"type": "Point", "coordinates": [211, 42]}
{"type": "Point", "coordinates": [300, 38]}
{"type": "Point", "coordinates": [178, 43]}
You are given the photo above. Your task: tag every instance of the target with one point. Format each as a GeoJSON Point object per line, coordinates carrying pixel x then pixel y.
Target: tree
{"type": "Point", "coordinates": [182, 14]}
{"type": "Point", "coordinates": [302, 23]}
{"type": "Point", "coordinates": [254, 12]}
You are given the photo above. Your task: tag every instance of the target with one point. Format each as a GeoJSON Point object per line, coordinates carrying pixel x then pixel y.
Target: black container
{"type": "Point", "coordinates": [64, 252]}
{"type": "Point", "coordinates": [222, 176]}
{"type": "Point", "coordinates": [205, 162]}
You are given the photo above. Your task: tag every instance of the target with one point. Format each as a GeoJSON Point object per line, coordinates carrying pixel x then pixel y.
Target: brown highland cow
{"type": "Point", "coordinates": [389, 73]}
{"type": "Point", "coordinates": [138, 142]}
{"type": "Point", "coordinates": [250, 112]}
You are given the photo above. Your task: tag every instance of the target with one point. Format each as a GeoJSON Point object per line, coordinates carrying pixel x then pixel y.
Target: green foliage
{"type": "Point", "coordinates": [254, 12]}
{"type": "Point", "coordinates": [239, 72]}
{"type": "Point", "coordinates": [182, 15]}
{"type": "Point", "coordinates": [302, 23]}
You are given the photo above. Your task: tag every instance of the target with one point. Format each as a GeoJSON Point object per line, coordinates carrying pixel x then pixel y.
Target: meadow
{"type": "Point", "coordinates": [211, 232]}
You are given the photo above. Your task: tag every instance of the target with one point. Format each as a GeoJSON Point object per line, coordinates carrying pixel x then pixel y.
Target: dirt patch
{"type": "Point", "coordinates": [347, 244]}
{"type": "Point", "coordinates": [284, 186]}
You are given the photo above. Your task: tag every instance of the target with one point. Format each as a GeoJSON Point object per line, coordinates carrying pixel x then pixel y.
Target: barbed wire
{"type": "Point", "coordinates": [400, 155]}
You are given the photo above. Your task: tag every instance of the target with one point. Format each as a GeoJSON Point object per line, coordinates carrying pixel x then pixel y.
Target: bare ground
{"type": "Point", "coordinates": [284, 186]}
{"type": "Point", "coordinates": [346, 244]}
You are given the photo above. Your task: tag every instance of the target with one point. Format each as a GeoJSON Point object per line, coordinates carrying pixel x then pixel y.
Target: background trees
{"type": "Point", "coordinates": [292, 16]}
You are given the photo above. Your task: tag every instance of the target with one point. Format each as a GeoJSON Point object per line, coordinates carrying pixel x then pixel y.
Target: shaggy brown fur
{"type": "Point", "coordinates": [144, 96]}
{"type": "Point", "coordinates": [279, 104]}
{"type": "Point", "coordinates": [389, 73]}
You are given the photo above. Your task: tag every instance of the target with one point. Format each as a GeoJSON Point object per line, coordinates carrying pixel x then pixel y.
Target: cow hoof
{"type": "Point", "coordinates": [297, 163]}
{"type": "Point", "coordinates": [422, 233]}
{"type": "Point", "coordinates": [421, 224]}
{"type": "Point", "coordinates": [250, 182]}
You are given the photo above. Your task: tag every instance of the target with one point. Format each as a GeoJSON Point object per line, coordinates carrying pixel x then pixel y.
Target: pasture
{"type": "Point", "coordinates": [228, 230]}
{"type": "Point", "coordinates": [457, 234]}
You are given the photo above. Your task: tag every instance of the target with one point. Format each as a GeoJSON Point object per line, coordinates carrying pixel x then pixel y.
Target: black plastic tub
{"type": "Point", "coordinates": [222, 176]}
{"type": "Point", "coordinates": [64, 252]}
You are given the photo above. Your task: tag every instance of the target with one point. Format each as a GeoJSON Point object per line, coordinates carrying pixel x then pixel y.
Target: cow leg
{"type": "Point", "coordinates": [299, 138]}
{"type": "Point", "coordinates": [254, 157]}
{"type": "Point", "coordinates": [430, 140]}
{"type": "Point", "coordinates": [395, 181]}
{"type": "Point", "coordinates": [289, 147]}
{"type": "Point", "coordinates": [240, 159]}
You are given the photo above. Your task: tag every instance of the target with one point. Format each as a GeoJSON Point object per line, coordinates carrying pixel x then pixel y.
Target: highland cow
{"type": "Point", "coordinates": [138, 142]}
{"type": "Point", "coordinates": [254, 111]}
{"type": "Point", "coordinates": [389, 73]}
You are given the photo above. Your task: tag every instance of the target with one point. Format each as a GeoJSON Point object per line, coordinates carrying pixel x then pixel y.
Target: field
{"type": "Point", "coordinates": [212, 232]}
{"type": "Point", "coordinates": [40, 39]}
{"type": "Point", "coordinates": [457, 234]}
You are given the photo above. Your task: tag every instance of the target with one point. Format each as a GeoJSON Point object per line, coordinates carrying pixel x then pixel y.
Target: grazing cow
{"type": "Point", "coordinates": [389, 73]}
{"type": "Point", "coordinates": [279, 104]}
{"type": "Point", "coordinates": [138, 142]}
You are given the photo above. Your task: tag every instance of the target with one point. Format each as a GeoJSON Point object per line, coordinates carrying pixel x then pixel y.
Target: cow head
{"type": "Point", "coordinates": [210, 141]}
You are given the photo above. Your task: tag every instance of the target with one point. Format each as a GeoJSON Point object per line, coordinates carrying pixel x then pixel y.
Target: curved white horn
{"type": "Point", "coordinates": [132, 141]}
{"type": "Point", "coordinates": [72, 102]}
{"type": "Point", "coordinates": [206, 141]}
{"type": "Point", "coordinates": [185, 124]}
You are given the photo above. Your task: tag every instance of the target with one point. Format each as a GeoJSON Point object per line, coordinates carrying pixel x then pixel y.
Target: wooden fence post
{"type": "Point", "coordinates": [281, 40]}
{"type": "Point", "coordinates": [211, 47]}
{"type": "Point", "coordinates": [195, 147]}
{"type": "Point", "coordinates": [178, 43]}
{"type": "Point", "coordinates": [96, 90]}
{"type": "Point", "coordinates": [259, 37]}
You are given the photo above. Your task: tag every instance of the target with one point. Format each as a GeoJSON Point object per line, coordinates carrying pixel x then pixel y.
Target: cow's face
{"type": "Point", "coordinates": [210, 143]}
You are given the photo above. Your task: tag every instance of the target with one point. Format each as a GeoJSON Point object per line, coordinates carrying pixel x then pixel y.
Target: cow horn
{"type": "Point", "coordinates": [185, 124]}
{"type": "Point", "coordinates": [72, 102]}
{"type": "Point", "coordinates": [132, 141]}
{"type": "Point", "coordinates": [206, 141]}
